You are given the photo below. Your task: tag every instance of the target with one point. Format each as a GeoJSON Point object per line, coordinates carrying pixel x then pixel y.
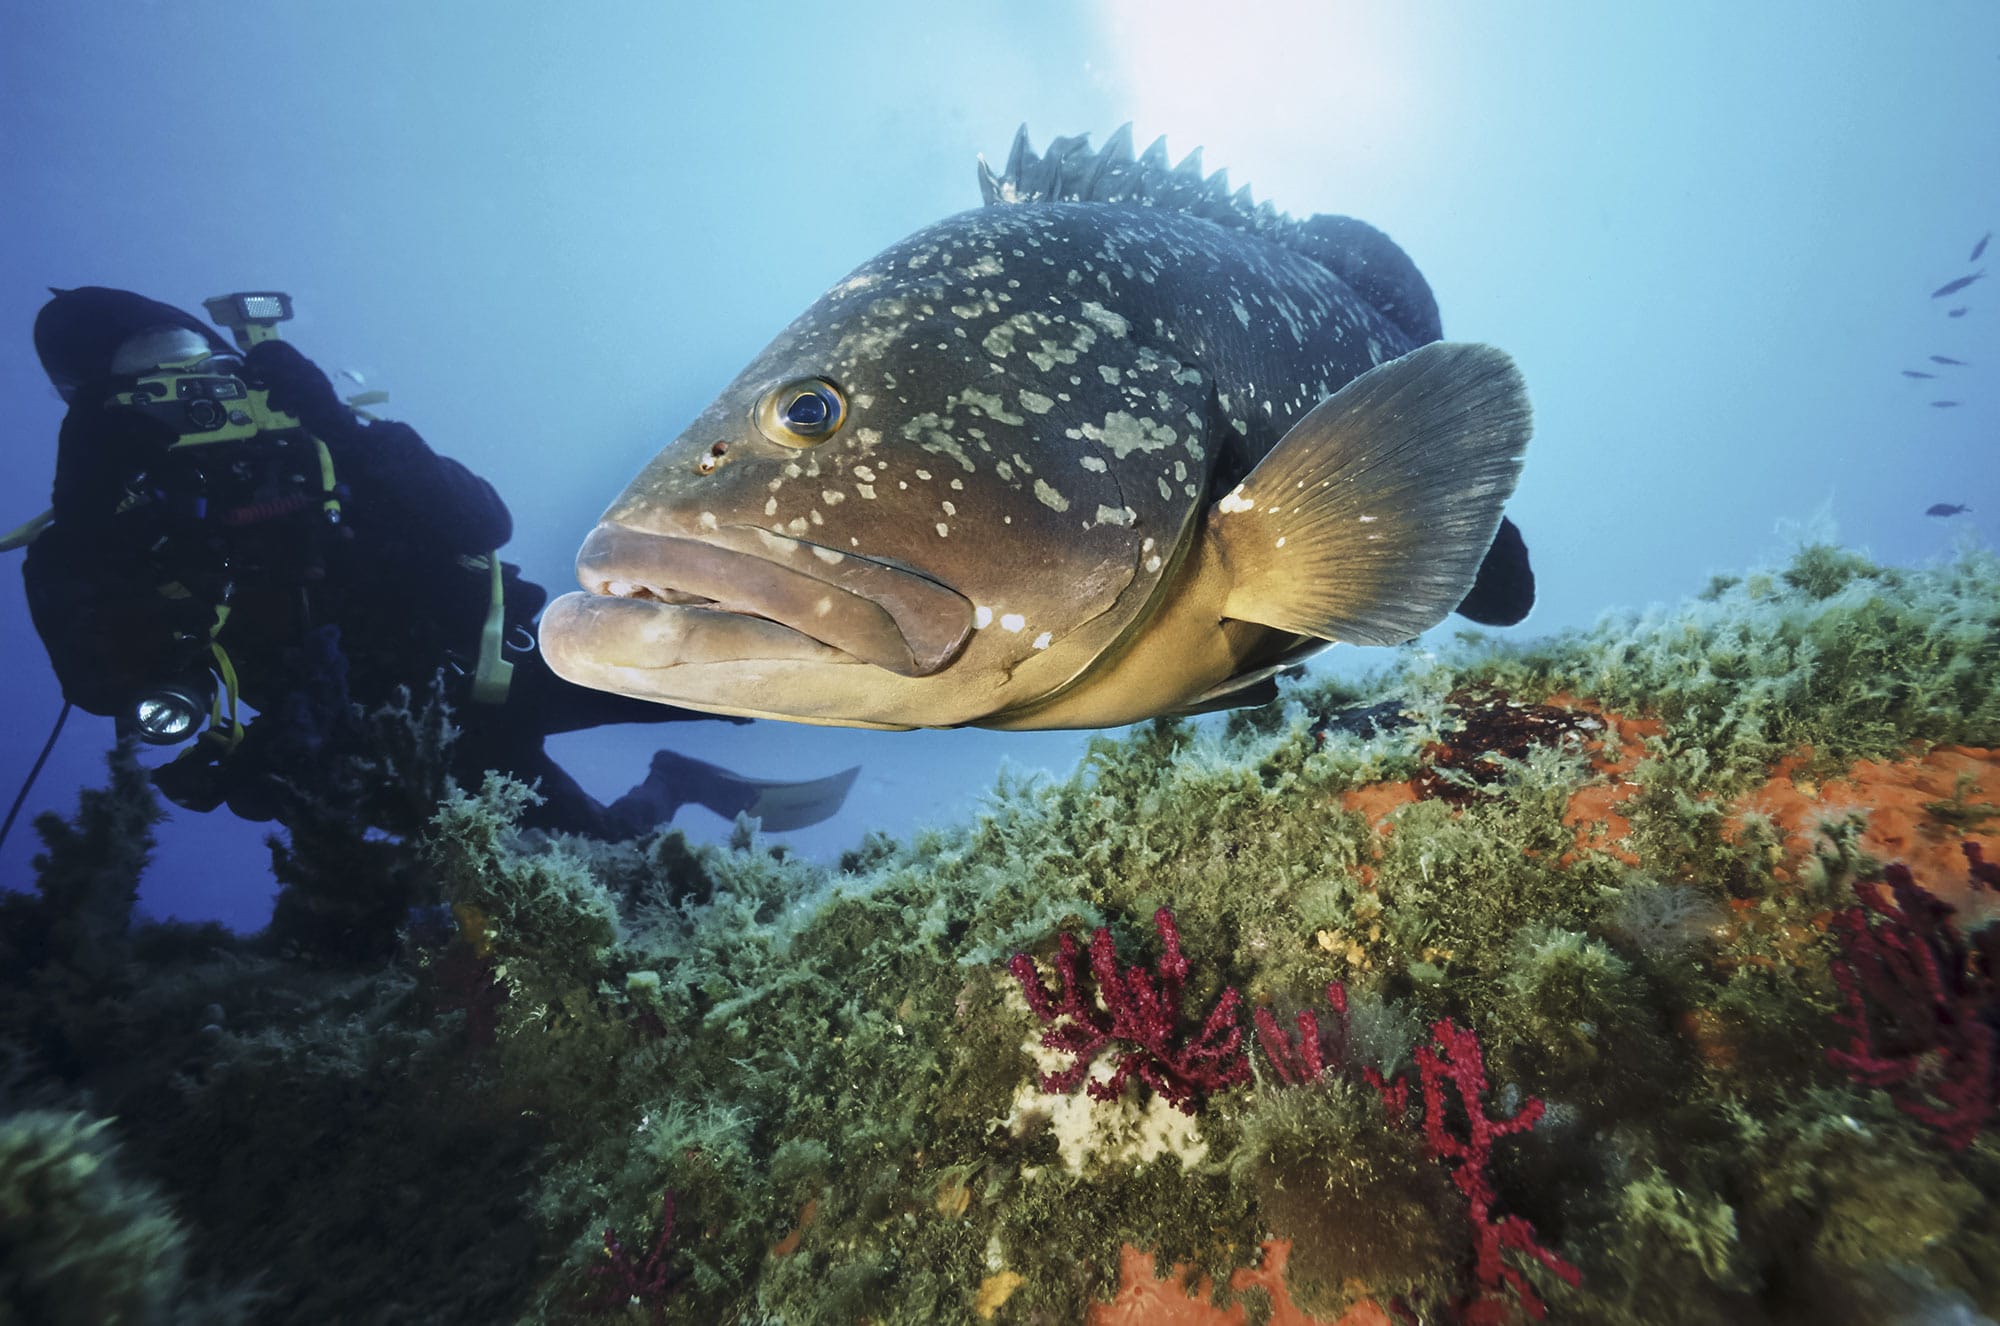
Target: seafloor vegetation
{"type": "Point", "coordinates": [1601, 1024]}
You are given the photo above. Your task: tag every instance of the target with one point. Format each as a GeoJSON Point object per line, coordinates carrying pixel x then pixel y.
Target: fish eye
{"type": "Point", "coordinates": [802, 413]}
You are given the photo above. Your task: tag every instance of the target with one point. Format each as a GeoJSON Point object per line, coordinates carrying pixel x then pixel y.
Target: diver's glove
{"type": "Point", "coordinates": [191, 783]}
{"type": "Point", "coordinates": [297, 387]}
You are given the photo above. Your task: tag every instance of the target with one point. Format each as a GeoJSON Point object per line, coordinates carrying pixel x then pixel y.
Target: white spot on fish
{"type": "Point", "coordinates": [989, 404]}
{"type": "Point", "coordinates": [943, 529]}
{"type": "Point", "coordinates": [1042, 641]}
{"type": "Point", "coordinates": [1116, 515]}
{"type": "Point", "coordinates": [1049, 497]}
{"type": "Point", "coordinates": [1013, 621]}
{"type": "Point", "coordinates": [831, 556]}
{"type": "Point", "coordinates": [865, 474]}
{"type": "Point", "coordinates": [982, 616]}
{"type": "Point", "coordinates": [1124, 434]}
{"type": "Point", "coordinates": [832, 496]}
{"type": "Point", "coordinates": [1095, 464]}
{"type": "Point", "coordinates": [709, 522]}
{"type": "Point", "coordinates": [1235, 502]}
{"type": "Point", "coordinates": [1112, 324]}
{"type": "Point", "coordinates": [1036, 403]}
{"type": "Point", "coordinates": [867, 490]}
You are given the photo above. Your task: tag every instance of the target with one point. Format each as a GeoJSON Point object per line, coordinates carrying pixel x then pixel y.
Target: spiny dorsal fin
{"type": "Point", "coordinates": [1070, 172]}
{"type": "Point", "coordinates": [1368, 520]}
{"type": "Point", "coordinates": [1356, 252]}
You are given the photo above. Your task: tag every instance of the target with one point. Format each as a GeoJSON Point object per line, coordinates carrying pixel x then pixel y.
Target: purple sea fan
{"type": "Point", "coordinates": [1139, 1011]}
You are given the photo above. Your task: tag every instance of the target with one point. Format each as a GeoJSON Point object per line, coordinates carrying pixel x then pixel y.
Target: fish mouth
{"type": "Point", "coordinates": [766, 590]}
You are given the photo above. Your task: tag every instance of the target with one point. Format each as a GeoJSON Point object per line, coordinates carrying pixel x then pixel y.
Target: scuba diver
{"type": "Point", "coordinates": [225, 527]}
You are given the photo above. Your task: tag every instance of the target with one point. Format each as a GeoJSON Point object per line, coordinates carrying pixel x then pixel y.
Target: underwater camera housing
{"type": "Point", "coordinates": [242, 488]}
{"type": "Point", "coordinates": [203, 398]}
{"type": "Point", "coordinates": [196, 398]}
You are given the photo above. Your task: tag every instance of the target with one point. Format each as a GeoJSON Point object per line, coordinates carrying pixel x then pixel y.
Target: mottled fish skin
{"type": "Point", "coordinates": [1043, 398]}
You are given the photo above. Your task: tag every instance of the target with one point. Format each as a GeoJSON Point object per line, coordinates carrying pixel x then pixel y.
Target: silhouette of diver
{"type": "Point", "coordinates": [225, 527]}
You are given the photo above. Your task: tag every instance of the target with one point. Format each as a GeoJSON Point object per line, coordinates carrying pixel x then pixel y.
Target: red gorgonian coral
{"type": "Point", "coordinates": [1922, 1004]}
{"type": "Point", "coordinates": [1139, 1012]}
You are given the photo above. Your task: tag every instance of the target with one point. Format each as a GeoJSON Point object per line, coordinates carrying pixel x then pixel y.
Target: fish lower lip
{"type": "Point", "coordinates": [880, 614]}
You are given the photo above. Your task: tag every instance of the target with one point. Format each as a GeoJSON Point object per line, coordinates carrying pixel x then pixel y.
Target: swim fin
{"type": "Point", "coordinates": [677, 780]}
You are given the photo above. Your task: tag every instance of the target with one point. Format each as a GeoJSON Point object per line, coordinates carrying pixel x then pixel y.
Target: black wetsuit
{"type": "Point", "coordinates": [347, 612]}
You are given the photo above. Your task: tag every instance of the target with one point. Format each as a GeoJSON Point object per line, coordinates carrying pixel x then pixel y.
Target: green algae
{"type": "Point", "coordinates": [834, 1075]}
{"type": "Point", "coordinates": [79, 1241]}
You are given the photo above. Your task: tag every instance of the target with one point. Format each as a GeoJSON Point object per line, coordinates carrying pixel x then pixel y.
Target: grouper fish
{"type": "Point", "coordinates": [1116, 444]}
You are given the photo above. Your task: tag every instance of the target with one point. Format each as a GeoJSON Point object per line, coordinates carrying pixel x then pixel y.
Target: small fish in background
{"type": "Point", "coordinates": [1947, 359]}
{"type": "Point", "coordinates": [1947, 508]}
{"type": "Point", "coordinates": [1980, 247]}
{"type": "Point", "coordinates": [1917, 373]}
{"type": "Point", "coordinates": [1944, 405]}
{"type": "Point", "coordinates": [1953, 287]}
{"type": "Point", "coordinates": [1958, 312]}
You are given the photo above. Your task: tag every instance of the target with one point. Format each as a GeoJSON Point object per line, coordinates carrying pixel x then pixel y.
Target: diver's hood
{"type": "Point", "coordinates": [79, 331]}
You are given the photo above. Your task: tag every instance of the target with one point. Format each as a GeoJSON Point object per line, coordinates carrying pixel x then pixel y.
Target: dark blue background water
{"type": "Point", "coordinates": [1708, 232]}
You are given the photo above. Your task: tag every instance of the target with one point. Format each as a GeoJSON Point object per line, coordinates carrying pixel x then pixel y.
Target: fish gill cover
{"type": "Point", "coordinates": [1552, 979]}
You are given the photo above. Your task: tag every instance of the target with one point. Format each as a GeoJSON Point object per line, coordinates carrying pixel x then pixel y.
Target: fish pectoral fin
{"type": "Point", "coordinates": [1368, 521]}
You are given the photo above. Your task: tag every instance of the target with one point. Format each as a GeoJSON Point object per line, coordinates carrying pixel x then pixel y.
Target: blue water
{"type": "Point", "coordinates": [1708, 232]}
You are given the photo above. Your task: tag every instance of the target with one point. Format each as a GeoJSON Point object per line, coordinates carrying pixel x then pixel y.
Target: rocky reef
{"type": "Point", "coordinates": [1644, 974]}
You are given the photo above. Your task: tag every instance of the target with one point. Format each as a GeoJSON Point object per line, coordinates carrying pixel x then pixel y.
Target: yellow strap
{"type": "Point", "coordinates": [23, 535]}
{"type": "Point", "coordinates": [494, 673]}
{"type": "Point", "coordinates": [204, 747]}
{"type": "Point", "coordinates": [332, 504]}
{"type": "Point", "coordinates": [227, 671]}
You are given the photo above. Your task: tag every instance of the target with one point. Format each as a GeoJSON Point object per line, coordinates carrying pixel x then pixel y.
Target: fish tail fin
{"type": "Point", "coordinates": [1369, 521]}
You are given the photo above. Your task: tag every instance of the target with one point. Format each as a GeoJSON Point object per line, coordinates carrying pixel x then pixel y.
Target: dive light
{"type": "Point", "coordinates": [170, 714]}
